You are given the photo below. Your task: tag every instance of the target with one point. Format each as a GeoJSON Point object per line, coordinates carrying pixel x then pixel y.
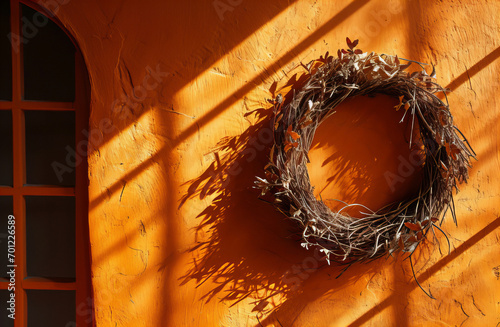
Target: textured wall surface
{"type": "Point", "coordinates": [172, 79]}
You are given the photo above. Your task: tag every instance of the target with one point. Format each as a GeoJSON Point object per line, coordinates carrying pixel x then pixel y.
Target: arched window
{"type": "Point", "coordinates": [45, 277]}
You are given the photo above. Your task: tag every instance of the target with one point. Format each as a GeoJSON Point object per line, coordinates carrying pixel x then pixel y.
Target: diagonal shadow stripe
{"type": "Point", "coordinates": [244, 31]}
{"type": "Point", "coordinates": [480, 65]}
{"type": "Point", "coordinates": [238, 94]}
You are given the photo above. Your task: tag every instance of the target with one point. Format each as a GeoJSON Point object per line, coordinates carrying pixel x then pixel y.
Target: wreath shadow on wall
{"type": "Point", "coordinates": [249, 250]}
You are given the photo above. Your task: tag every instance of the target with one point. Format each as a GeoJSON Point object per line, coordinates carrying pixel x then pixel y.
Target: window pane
{"type": "Point", "coordinates": [4, 319]}
{"type": "Point", "coordinates": [6, 147]}
{"type": "Point", "coordinates": [5, 52]}
{"type": "Point", "coordinates": [51, 308]}
{"type": "Point", "coordinates": [5, 211]}
{"type": "Point", "coordinates": [50, 236]}
{"type": "Point", "coordinates": [50, 140]}
{"type": "Point", "coordinates": [49, 59]}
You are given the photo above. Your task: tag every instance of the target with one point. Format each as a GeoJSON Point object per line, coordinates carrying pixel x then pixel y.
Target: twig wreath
{"type": "Point", "coordinates": [401, 226]}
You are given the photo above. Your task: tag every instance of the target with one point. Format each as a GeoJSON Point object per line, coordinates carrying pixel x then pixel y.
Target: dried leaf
{"type": "Point", "coordinates": [358, 51]}
{"type": "Point", "coordinates": [403, 67]}
{"type": "Point", "coordinates": [308, 122]}
{"type": "Point", "coordinates": [412, 239]}
{"type": "Point", "coordinates": [288, 146]}
{"type": "Point", "coordinates": [349, 43]}
{"type": "Point", "coordinates": [294, 135]}
{"type": "Point", "coordinates": [407, 105]}
{"type": "Point", "coordinates": [444, 166]}
{"type": "Point", "coordinates": [400, 103]}
{"type": "Point", "coordinates": [419, 235]}
{"type": "Point", "coordinates": [271, 154]}
{"type": "Point", "coordinates": [271, 176]}
{"type": "Point", "coordinates": [413, 227]}
{"type": "Point", "coordinates": [454, 151]}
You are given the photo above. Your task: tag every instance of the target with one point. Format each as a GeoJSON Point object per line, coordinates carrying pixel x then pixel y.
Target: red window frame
{"type": "Point", "coordinates": [80, 105]}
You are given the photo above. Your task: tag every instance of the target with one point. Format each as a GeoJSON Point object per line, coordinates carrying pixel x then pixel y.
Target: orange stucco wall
{"type": "Point", "coordinates": [172, 79]}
